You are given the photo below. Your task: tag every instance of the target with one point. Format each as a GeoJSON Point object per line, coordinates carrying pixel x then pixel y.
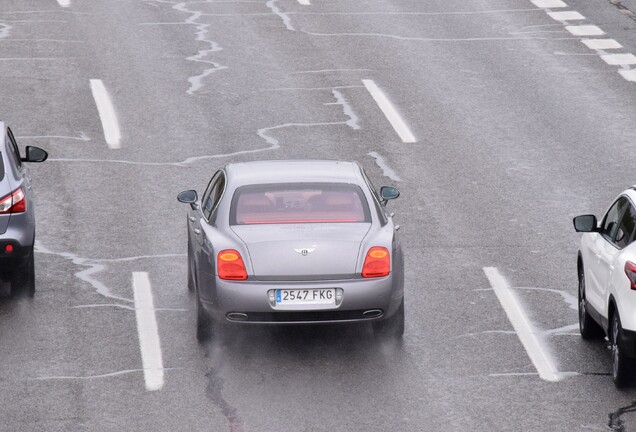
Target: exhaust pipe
{"type": "Point", "coordinates": [373, 313]}
{"type": "Point", "coordinates": [236, 316]}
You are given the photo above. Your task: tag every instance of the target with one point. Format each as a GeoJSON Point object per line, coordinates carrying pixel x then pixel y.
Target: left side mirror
{"type": "Point", "coordinates": [585, 223]}
{"type": "Point", "coordinates": [34, 154]}
{"type": "Point", "coordinates": [188, 197]}
{"type": "Point", "coordinates": [388, 193]}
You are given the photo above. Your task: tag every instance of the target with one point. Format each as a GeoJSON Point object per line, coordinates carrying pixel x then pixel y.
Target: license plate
{"type": "Point", "coordinates": [326, 296]}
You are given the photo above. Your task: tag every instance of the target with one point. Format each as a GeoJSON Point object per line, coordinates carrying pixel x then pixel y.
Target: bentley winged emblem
{"type": "Point", "coordinates": [305, 251]}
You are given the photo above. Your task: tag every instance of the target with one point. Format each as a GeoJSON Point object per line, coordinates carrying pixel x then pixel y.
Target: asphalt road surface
{"type": "Point", "coordinates": [510, 117]}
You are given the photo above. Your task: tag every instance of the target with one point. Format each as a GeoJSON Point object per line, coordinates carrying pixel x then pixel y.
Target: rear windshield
{"type": "Point", "coordinates": [299, 203]}
{"type": "Point", "coordinates": [1, 167]}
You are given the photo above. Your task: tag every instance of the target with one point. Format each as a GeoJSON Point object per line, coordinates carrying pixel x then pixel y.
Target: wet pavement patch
{"type": "Point", "coordinates": [214, 392]}
{"type": "Point", "coordinates": [616, 422]}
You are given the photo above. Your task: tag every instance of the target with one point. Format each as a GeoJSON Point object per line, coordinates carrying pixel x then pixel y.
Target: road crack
{"type": "Point", "coordinates": [623, 9]}
{"type": "Point", "coordinates": [615, 418]}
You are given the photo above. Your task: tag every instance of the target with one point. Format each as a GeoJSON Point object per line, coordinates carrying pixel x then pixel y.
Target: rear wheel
{"type": "Point", "coordinates": [190, 272]}
{"type": "Point", "coordinates": [204, 321]}
{"type": "Point", "coordinates": [392, 327]}
{"type": "Point", "coordinates": [23, 278]}
{"type": "Point", "coordinates": [588, 328]}
{"type": "Point", "coordinates": [621, 364]}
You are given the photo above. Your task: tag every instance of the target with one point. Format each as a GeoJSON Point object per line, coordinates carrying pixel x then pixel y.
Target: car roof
{"type": "Point", "coordinates": [630, 192]}
{"type": "Point", "coordinates": [292, 171]}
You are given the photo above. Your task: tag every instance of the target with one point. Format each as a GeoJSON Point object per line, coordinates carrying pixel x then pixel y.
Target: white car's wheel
{"type": "Point", "coordinates": [621, 364]}
{"type": "Point", "coordinates": [588, 328]}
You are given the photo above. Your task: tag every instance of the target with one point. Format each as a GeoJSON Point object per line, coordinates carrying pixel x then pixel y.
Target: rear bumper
{"type": "Point", "coordinates": [19, 235]}
{"type": "Point", "coordinates": [248, 302]}
{"type": "Point", "coordinates": [15, 258]}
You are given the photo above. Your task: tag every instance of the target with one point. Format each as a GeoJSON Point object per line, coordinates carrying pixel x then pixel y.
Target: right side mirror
{"type": "Point", "coordinates": [388, 193]}
{"type": "Point", "coordinates": [35, 154]}
{"type": "Point", "coordinates": [585, 223]}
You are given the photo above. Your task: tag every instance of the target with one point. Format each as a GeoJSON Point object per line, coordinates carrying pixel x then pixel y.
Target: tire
{"type": "Point", "coordinates": [204, 322]}
{"type": "Point", "coordinates": [588, 328]}
{"type": "Point", "coordinates": [190, 273]}
{"type": "Point", "coordinates": [621, 364]}
{"type": "Point", "coordinates": [391, 328]}
{"type": "Point", "coordinates": [23, 278]}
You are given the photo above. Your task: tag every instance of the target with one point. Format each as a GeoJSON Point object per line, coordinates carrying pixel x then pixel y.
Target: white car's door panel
{"type": "Point", "coordinates": [606, 268]}
{"type": "Point", "coordinates": [590, 249]}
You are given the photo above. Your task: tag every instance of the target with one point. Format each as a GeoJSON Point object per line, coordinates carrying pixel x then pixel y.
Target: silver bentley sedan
{"type": "Point", "coordinates": [294, 242]}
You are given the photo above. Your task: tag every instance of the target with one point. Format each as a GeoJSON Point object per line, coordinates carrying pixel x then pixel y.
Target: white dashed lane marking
{"type": "Point", "coordinates": [106, 114]}
{"type": "Point", "coordinates": [601, 44]}
{"type": "Point", "coordinates": [585, 30]}
{"type": "Point", "coordinates": [148, 332]}
{"type": "Point", "coordinates": [304, 2]}
{"type": "Point", "coordinates": [526, 332]}
{"type": "Point", "coordinates": [619, 59]}
{"type": "Point", "coordinates": [64, 3]}
{"type": "Point", "coordinates": [549, 3]}
{"type": "Point", "coordinates": [628, 74]}
{"type": "Point", "coordinates": [566, 16]}
{"type": "Point", "coordinates": [399, 125]}
{"type": "Point", "coordinates": [598, 45]}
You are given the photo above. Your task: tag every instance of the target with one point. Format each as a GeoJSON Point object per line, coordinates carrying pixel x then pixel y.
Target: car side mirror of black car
{"type": "Point", "coordinates": [585, 223]}
{"type": "Point", "coordinates": [188, 197]}
{"type": "Point", "coordinates": [34, 154]}
{"type": "Point", "coordinates": [388, 193]}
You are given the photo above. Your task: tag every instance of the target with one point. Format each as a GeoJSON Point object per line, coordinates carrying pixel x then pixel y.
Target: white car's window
{"type": "Point", "coordinates": [610, 222]}
{"type": "Point", "coordinates": [625, 233]}
{"type": "Point", "coordinates": [299, 203]}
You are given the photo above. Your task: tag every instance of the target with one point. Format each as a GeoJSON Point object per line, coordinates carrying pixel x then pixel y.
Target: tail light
{"type": "Point", "coordinates": [230, 265]}
{"type": "Point", "coordinates": [630, 271]}
{"type": "Point", "coordinates": [14, 202]}
{"type": "Point", "coordinates": [377, 263]}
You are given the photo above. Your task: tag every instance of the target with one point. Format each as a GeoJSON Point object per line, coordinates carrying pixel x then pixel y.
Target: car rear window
{"type": "Point", "coordinates": [1, 168]}
{"type": "Point", "coordinates": [299, 203]}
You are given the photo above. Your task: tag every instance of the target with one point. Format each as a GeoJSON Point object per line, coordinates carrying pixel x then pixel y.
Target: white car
{"type": "Point", "coordinates": [607, 281]}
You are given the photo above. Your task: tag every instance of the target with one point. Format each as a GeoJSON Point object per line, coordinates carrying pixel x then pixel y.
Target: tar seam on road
{"type": "Point", "coordinates": [389, 111]}
{"type": "Point", "coordinates": [106, 113]}
{"type": "Point", "coordinates": [148, 332]}
{"type": "Point", "coordinates": [525, 330]}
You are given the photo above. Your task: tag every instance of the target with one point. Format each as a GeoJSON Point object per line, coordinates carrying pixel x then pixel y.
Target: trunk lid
{"type": "Point", "coordinates": [303, 251]}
